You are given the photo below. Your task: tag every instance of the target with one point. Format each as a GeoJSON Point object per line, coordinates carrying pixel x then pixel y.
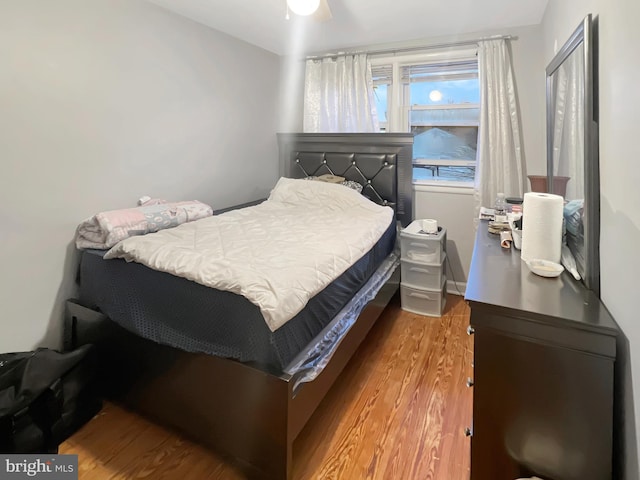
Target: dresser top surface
{"type": "Point", "coordinates": [499, 278]}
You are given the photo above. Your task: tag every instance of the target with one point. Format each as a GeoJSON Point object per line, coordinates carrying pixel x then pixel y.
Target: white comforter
{"type": "Point", "coordinates": [278, 254]}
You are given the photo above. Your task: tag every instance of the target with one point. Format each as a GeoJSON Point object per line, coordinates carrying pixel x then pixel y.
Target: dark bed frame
{"type": "Point", "coordinates": [245, 413]}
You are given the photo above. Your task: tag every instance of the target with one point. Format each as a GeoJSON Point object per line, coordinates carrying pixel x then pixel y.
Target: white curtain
{"type": "Point", "coordinates": [500, 163]}
{"type": "Point", "coordinates": [338, 96]}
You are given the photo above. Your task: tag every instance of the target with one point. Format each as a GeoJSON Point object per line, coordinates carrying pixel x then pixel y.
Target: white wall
{"type": "Point", "coordinates": [104, 101]}
{"type": "Point", "coordinates": [454, 209]}
{"type": "Point", "coordinates": [619, 102]}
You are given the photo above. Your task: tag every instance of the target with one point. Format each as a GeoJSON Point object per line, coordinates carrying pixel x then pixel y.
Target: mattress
{"type": "Point", "coordinates": [277, 254]}
{"type": "Point", "coordinates": [181, 313]}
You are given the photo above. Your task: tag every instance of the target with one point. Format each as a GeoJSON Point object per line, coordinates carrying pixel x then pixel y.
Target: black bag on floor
{"type": "Point", "coordinates": [45, 396]}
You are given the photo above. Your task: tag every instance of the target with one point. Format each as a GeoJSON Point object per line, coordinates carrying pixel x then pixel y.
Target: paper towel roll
{"type": "Point", "coordinates": [542, 226]}
{"type": "Point", "coordinates": [430, 225]}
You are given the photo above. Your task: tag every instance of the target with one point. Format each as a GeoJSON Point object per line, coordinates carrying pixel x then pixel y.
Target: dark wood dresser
{"type": "Point", "coordinates": [544, 353]}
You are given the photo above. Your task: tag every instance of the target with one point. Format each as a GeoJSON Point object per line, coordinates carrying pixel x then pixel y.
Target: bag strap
{"type": "Point", "coordinates": [55, 408]}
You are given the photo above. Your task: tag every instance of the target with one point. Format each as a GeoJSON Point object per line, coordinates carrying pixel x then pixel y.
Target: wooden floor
{"type": "Point", "coordinates": [398, 411]}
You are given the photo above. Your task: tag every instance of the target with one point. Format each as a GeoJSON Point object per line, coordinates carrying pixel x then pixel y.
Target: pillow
{"type": "Point", "coordinates": [353, 185]}
{"type": "Point", "coordinates": [347, 183]}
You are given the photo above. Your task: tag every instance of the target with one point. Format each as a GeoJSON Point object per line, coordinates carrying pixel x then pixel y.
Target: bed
{"type": "Point", "coordinates": [251, 408]}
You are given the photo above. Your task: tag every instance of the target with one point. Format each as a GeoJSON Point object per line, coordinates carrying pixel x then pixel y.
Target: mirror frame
{"type": "Point", "coordinates": [584, 35]}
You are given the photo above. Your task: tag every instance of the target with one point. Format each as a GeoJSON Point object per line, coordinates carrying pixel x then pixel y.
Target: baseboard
{"type": "Point", "coordinates": [460, 290]}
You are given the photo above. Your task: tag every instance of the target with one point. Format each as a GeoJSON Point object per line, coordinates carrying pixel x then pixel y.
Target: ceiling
{"type": "Point", "coordinates": [355, 22]}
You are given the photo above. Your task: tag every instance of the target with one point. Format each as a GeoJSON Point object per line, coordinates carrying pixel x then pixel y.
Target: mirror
{"type": "Point", "coordinates": [572, 148]}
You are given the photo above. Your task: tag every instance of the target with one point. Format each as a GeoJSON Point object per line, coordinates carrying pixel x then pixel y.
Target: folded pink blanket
{"type": "Point", "coordinates": [105, 229]}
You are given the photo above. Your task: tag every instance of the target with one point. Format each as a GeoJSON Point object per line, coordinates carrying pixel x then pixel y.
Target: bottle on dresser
{"type": "Point", "coordinates": [500, 209]}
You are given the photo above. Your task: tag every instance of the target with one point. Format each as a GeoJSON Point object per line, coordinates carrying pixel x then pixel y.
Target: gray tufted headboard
{"type": "Point", "coordinates": [380, 162]}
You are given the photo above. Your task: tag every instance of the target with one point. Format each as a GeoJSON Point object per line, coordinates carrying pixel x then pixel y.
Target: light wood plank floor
{"type": "Point", "coordinates": [397, 412]}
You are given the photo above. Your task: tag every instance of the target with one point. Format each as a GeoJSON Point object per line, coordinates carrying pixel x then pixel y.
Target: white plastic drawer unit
{"type": "Point", "coordinates": [423, 247]}
{"type": "Point", "coordinates": [420, 275]}
{"type": "Point", "coordinates": [424, 302]}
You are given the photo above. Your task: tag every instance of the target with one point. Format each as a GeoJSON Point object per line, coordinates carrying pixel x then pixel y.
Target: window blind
{"type": "Point", "coordinates": [429, 72]}
{"type": "Point", "coordinates": [382, 74]}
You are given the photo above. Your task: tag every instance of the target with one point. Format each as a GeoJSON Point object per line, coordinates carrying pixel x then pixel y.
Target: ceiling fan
{"type": "Point", "coordinates": [317, 9]}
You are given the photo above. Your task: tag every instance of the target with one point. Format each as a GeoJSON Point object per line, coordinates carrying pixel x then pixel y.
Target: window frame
{"type": "Point", "coordinates": [398, 114]}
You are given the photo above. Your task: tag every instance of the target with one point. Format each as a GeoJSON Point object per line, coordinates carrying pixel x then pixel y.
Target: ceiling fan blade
{"type": "Point", "coordinates": [323, 13]}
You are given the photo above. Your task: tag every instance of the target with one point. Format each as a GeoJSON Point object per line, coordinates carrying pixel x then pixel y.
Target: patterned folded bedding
{"type": "Point", "coordinates": [105, 229]}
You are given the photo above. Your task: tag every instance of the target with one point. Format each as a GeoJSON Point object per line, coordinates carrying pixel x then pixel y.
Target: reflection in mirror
{"type": "Point", "coordinates": [568, 124]}
{"type": "Point", "coordinates": [572, 151]}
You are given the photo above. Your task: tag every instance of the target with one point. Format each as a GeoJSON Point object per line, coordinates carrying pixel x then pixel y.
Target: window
{"type": "Point", "coordinates": [439, 101]}
{"type": "Point", "coordinates": [382, 76]}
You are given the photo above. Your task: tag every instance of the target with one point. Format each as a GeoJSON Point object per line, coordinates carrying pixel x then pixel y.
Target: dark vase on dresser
{"type": "Point", "coordinates": [544, 353]}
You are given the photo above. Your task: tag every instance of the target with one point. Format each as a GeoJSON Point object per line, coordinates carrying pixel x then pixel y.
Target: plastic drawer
{"type": "Point", "coordinates": [420, 276]}
{"type": "Point", "coordinates": [423, 301]}
{"type": "Point", "coordinates": [422, 247]}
